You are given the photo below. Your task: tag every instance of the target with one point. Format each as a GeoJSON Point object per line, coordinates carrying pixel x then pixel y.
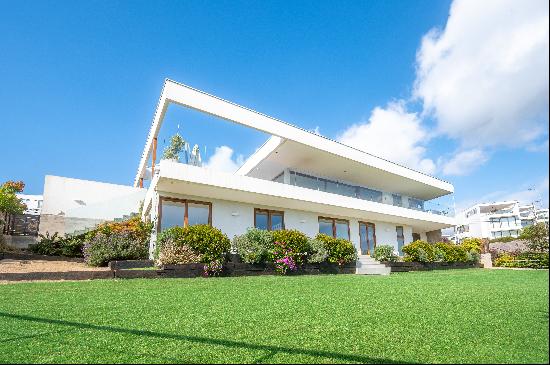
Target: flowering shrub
{"type": "Point", "coordinates": [297, 244]}
{"type": "Point", "coordinates": [103, 248]}
{"type": "Point", "coordinates": [283, 258]}
{"type": "Point", "coordinates": [175, 254]}
{"type": "Point", "coordinates": [213, 268]}
{"type": "Point", "coordinates": [472, 244]}
{"type": "Point", "coordinates": [318, 252]}
{"type": "Point", "coordinates": [140, 230]}
{"type": "Point", "coordinates": [208, 242]}
{"type": "Point", "coordinates": [253, 247]}
{"type": "Point", "coordinates": [452, 252]}
{"type": "Point", "coordinates": [340, 251]}
{"type": "Point", "coordinates": [420, 251]}
{"type": "Point", "coordinates": [384, 253]}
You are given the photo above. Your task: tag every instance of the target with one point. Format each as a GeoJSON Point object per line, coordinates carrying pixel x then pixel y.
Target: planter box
{"type": "Point", "coordinates": [66, 275]}
{"type": "Point", "coordinates": [424, 266]}
{"type": "Point", "coordinates": [130, 264]}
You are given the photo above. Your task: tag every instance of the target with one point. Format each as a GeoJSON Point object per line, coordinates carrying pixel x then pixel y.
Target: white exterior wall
{"type": "Point", "coordinates": [72, 204]}
{"type": "Point", "coordinates": [234, 218]}
{"type": "Point", "coordinates": [33, 203]}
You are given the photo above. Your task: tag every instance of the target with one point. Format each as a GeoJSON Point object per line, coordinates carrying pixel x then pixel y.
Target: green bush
{"type": "Point", "coordinates": [254, 246]}
{"type": "Point", "coordinates": [472, 244]}
{"type": "Point", "coordinates": [452, 252]}
{"type": "Point", "coordinates": [384, 253]}
{"type": "Point", "coordinates": [103, 248]}
{"type": "Point", "coordinates": [55, 245]}
{"type": "Point", "coordinates": [296, 244]}
{"type": "Point", "coordinates": [207, 241]}
{"type": "Point", "coordinates": [318, 251]}
{"type": "Point", "coordinates": [419, 251]}
{"type": "Point", "coordinates": [533, 260]}
{"type": "Point", "coordinates": [340, 251]}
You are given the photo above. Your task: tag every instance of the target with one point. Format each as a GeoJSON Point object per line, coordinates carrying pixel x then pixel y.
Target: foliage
{"type": "Point", "coordinates": [452, 252]}
{"type": "Point", "coordinates": [176, 254]}
{"type": "Point", "coordinates": [9, 202]}
{"type": "Point", "coordinates": [55, 245]}
{"type": "Point", "coordinates": [295, 241]}
{"type": "Point", "coordinates": [533, 260]}
{"type": "Point", "coordinates": [206, 241]}
{"type": "Point", "coordinates": [253, 247]}
{"type": "Point", "coordinates": [173, 150]}
{"type": "Point", "coordinates": [419, 251]}
{"type": "Point", "coordinates": [283, 257]}
{"type": "Point", "coordinates": [318, 252]}
{"type": "Point", "coordinates": [122, 245]}
{"type": "Point", "coordinates": [384, 253]}
{"type": "Point", "coordinates": [472, 244]}
{"type": "Point", "coordinates": [340, 251]}
{"type": "Point", "coordinates": [537, 237]}
{"type": "Point", "coordinates": [503, 239]}
{"type": "Point", "coordinates": [134, 226]}
{"type": "Point", "coordinates": [439, 255]}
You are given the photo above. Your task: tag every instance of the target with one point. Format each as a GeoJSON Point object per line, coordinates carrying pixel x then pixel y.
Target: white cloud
{"type": "Point", "coordinates": [464, 162]}
{"type": "Point", "coordinates": [529, 193]}
{"type": "Point", "coordinates": [394, 134]}
{"type": "Point", "coordinates": [485, 76]}
{"type": "Point", "coordinates": [222, 160]}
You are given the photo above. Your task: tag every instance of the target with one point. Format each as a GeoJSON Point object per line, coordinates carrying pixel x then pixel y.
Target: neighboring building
{"type": "Point", "coordinates": [33, 203]}
{"type": "Point", "coordinates": [296, 180]}
{"type": "Point", "coordinates": [497, 220]}
{"type": "Point", "coordinates": [72, 206]}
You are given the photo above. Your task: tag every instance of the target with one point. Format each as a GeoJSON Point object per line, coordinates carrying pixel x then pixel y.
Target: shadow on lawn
{"type": "Point", "coordinates": [272, 350]}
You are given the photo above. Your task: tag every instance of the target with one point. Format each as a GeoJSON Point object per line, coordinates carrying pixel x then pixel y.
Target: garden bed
{"type": "Point", "coordinates": [421, 266]}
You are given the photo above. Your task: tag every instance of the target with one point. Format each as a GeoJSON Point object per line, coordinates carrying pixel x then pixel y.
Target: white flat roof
{"type": "Point", "coordinates": [177, 93]}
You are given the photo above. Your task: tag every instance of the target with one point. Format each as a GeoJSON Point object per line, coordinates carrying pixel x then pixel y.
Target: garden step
{"type": "Point", "coordinates": [367, 265]}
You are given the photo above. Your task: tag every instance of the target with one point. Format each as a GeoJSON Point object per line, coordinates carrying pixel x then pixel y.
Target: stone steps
{"type": "Point", "coordinates": [366, 265]}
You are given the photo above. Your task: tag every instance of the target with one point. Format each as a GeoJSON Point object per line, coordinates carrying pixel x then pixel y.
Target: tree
{"type": "Point", "coordinates": [177, 143]}
{"type": "Point", "coordinates": [536, 236]}
{"type": "Point", "coordinates": [9, 202]}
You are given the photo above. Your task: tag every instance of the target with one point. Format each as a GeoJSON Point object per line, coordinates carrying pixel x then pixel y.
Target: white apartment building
{"type": "Point", "coordinates": [33, 203]}
{"type": "Point", "coordinates": [497, 220]}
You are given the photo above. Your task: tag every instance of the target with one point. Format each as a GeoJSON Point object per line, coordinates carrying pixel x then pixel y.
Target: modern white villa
{"type": "Point", "coordinates": [497, 220]}
{"type": "Point", "coordinates": [296, 180]}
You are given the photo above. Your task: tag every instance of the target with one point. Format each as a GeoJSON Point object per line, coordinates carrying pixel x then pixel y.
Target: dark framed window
{"type": "Point", "coordinates": [334, 227]}
{"type": "Point", "coordinates": [182, 212]}
{"type": "Point", "coordinates": [400, 239]}
{"type": "Point", "coordinates": [270, 220]}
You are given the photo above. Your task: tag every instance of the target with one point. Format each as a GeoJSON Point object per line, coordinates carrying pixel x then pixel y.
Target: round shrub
{"type": "Point", "coordinates": [296, 244]}
{"type": "Point", "coordinates": [384, 253]}
{"type": "Point", "coordinates": [103, 248]}
{"type": "Point", "coordinates": [206, 241]}
{"type": "Point", "coordinates": [419, 251]}
{"type": "Point", "coordinates": [254, 246]}
{"type": "Point", "coordinates": [318, 251]}
{"type": "Point", "coordinates": [340, 251]}
{"type": "Point", "coordinates": [472, 244]}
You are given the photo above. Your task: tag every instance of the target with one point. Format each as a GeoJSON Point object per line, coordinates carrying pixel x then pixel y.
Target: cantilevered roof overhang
{"type": "Point", "coordinates": [323, 148]}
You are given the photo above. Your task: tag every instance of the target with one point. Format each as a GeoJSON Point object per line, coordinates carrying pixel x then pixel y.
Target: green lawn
{"type": "Point", "coordinates": [447, 316]}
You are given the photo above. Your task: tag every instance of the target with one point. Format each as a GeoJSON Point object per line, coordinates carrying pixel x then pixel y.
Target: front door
{"type": "Point", "coordinates": [367, 237]}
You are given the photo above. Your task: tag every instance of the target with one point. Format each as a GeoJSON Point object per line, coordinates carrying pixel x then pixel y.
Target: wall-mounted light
{"type": "Point", "coordinates": [302, 220]}
{"type": "Point", "coordinates": [235, 214]}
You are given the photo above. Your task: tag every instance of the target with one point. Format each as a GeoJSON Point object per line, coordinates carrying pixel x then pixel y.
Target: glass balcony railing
{"type": "Point", "coordinates": [440, 206]}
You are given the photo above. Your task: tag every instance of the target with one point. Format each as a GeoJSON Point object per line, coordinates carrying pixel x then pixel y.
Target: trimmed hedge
{"type": "Point", "coordinates": [533, 260]}
{"type": "Point", "coordinates": [253, 246]}
{"type": "Point", "coordinates": [340, 251]}
{"type": "Point", "coordinates": [384, 253]}
{"type": "Point", "coordinates": [422, 251]}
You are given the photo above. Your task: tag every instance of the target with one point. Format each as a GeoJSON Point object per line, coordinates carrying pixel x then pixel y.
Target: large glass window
{"type": "Point", "coordinates": [337, 228]}
{"type": "Point", "coordinates": [369, 194]}
{"type": "Point", "coordinates": [198, 213]}
{"type": "Point", "coordinates": [397, 200]}
{"type": "Point", "coordinates": [270, 220]}
{"type": "Point", "coordinates": [181, 212]}
{"type": "Point", "coordinates": [416, 204]}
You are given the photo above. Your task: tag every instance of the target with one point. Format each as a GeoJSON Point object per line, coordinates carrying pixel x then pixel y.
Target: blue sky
{"type": "Point", "coordinates": [79, 82]}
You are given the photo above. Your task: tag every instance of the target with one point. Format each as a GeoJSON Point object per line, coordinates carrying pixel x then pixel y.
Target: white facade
{"type": "Point", "coordinates": [497, 220]}
{"type": "Point", "coordinates": [72, 205]}
{"type": "Point", "coordinates": [33, 203]}
{"type": "Point", "coordinates": [296, 180]}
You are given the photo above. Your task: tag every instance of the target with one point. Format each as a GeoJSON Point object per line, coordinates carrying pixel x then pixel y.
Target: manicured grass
{"type": "Point", "coordinates": [447, 316]}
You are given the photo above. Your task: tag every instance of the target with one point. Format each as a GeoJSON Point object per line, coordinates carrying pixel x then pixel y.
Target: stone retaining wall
{"type": "Point", "coordinates": [421, 266]}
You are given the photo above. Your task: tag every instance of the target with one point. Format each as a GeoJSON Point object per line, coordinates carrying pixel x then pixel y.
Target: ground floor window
{"type": "Point", "coordinates": [270, 220]}
{"type": "Point", "coordinates": [334, 227]}
{"type": "Point", "coordinates": [400, 239]}
{"type": "Point", "coordinates": [181, 212]}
